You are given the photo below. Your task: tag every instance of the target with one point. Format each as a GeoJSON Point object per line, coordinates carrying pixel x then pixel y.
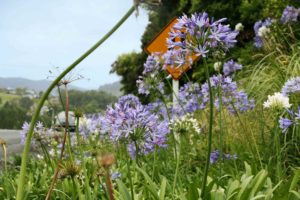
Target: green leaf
{"type": "Point", "coordinates": [217, 194]}
{"type": "Point", "coordinates": [151, 186]}
{"type": "Point", "coordinates": [295, 179]}
{"type": "Point", "coordinates": [124, 193]}
{"type": "Point", "coordinates": [297, 194]}
{"type": "Point", "coordinates": [258, 197]}
{"type": "Point", "coordinates": [233, 187]}
{"type": "Point", "coordinates": [244, 192]}
{"type": "Point", "coordinates": [258, 182]}
{"type": "Point", "coordinates": [248, 169]}
{"type": "Point", "coordinates": [162, 190]}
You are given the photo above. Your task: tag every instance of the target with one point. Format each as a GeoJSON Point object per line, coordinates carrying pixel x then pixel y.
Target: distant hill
{"type": "Point", "coordinates": [40, 85]}
{"type": "Point", "coordinates": [112, 88]}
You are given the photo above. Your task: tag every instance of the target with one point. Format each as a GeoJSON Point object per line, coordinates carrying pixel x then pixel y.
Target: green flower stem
{"type": "Point", "coordinates": [58, 163]}
{"type": "Point", "coordinates": [154, 162]}
{"type": "Point", "coordinates": [253, 138]}
{"type": "Point", "coordinates": [211, 109]}
{"type": "Point", "coordinates": [77, 132]}
{"type": "Point", "coordinates": [21, 181]}
{"type": "Point", "coordinates": [5, 157]}
{"type": "Point", "coordinates": [221, 126]}
{"type": "Point", "coordinates": [176, 151]}
{"type": "Point", "coordinates": [65, 140]}
{"type": "Point", "coordinates": [130, 177]}
{"type": "Point", "coordinates": [180, 104]}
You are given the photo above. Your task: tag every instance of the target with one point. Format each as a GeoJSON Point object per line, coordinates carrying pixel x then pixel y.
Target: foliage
{"type": "Point", "coordinates": [12, 116]}
{"type": "Point", "coordinates": [91, 101]}
{"type": "Point", "coordinates": [158, 150]}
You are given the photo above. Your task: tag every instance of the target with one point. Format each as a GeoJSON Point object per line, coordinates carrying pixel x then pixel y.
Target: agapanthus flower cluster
{"type": "Point", "coordinates": [277, 101]}
{"type": "Point", "coordinates": [193, 97]}
{"type": "Point", "coordinates": [159, 108]}
{"type": "Point", "coordinates": [177, 58]}
{"type": "Point", "coordinates": [293, 118]}
{"type": "Point", "coordinates": [186, 123]}
{"type": "Point", "coordinates": [215, 156]}
{"type": "Point", "coordinates": [131, 122]}
{"type": "Point", "coordinates": [190, 99]}
{"type": "Point", "coordinates": [239, 27]}
{"type": "Point", "coordinates": [230, 67]}
{"type": "Point", "coordinates": [290, 14]}
{"type": "Point", "coordinates": [261, 29]}
{"type": "Point", "coordinates": [199, 35]}
{"type": "Point", "coordinates": [217, 66]}
{"type": "Point", "coordinates": [90, 125]}
{"type": "Point", "coordinates": [285, 123]}
{"type": "Point", "coordinates": [291, 86]}
{"type": "Point", "coordinates": [232, 98]}
{"type": "Point", "coordinates": [40, 133]}
{"type": "Point", "coordinates": [152, 78]}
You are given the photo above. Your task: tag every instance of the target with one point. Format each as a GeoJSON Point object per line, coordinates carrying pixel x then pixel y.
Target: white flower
{"type": "Point", "coordinates": [239, 27]}
{"type": "Point", "coordinates": [84, 121]}
{"type": "Point", "coordinates": [263, 31]}
{"type": "Point", "coordinates": [277, 100]}
{"type": "Point", "coordinates": [217, 66]}
{"type": "Point", "coordinates": [187, 122]}
{"type": "Point", "coordinates": [40, 157]}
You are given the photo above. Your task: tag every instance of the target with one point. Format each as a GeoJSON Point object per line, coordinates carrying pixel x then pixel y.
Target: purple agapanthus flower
{"type": "Point", "coordinates": [230, 67]}
{"type": "Point", "coordinates": [152, 78]}
{"type": "Point", "coordinates": [291, 120]}
{"type": "Point", "coordinates": [199, 35]}
{"type": "Point", "coordinates": [290, 14]}
{"type": "Point", "coordinates": [131, 122]}
{"type": "Point", "coordinates": [285, 123]}
{"type": "Point", "coordinates": [234, 100]}
{"type": "Point", "coordinates": [291, 86]}
{"type": "Point", "coordinates": [159, 108]}
{"type": "Point", "coordinates": [40, 133]}
{"type": "Point", "coordinates": [192, 97]}
{"type": "Point", "coordinates": [115, 175]}
{"type": "Point", "coordinates": [215, 155]}
{"type": "Point", "coordinates": [258, 27]}
{"type": "Point", "coordinates": [24, 131]}
{"type": "Point", "coordinates": [91, 125]}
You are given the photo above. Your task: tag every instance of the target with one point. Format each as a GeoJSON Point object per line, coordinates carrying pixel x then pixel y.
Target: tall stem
{"type": "Point", "coordinates": [130, 178]}
{"type": "Point", "coordinates": [5, 157]}
{"type": "Point", "coordinates": [21, 182]}
{"type": "Point", "coordinates": [220, 125]}
{"type": "Point", "coordinates": [109, 184]}
{"type": "Point", "coordinates": [211, 107]}
{"type": "Point", "coordinates": [67, 128]}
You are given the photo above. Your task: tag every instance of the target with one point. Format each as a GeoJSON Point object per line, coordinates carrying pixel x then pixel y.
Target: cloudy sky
{"type": "Point", "coordinates": [37, 36]}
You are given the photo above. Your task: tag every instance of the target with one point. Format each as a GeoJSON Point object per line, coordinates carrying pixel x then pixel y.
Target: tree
{"type": "Point", "coordinates": [91, 101]}
{"type": "Point", "coordinates": [26, 102]}
{"type": "Point", "coordinates": [130, 66]}
{"type": "Point", "coordinates": [12, 116]}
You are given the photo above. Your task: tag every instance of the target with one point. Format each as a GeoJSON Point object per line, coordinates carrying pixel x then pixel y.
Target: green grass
{"type": "Point", "coordinates": [7, 97]}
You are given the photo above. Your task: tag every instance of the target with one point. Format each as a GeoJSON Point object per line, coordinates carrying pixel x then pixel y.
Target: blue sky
{"type": "Point", "coordinates": [37, 36]}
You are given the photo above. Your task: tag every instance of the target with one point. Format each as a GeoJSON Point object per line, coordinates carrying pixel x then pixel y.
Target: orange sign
{"type": "Point", "coordinates": [159, 44]}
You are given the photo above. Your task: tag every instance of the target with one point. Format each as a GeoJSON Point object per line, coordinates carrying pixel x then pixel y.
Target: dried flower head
{"type": "Point", "coordinates": [2, 141]}
{"type": "Point", "coordinates": [106, 160]}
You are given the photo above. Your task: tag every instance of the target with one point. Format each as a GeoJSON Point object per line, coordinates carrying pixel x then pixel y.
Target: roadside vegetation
{"type": "Point", "coordinates": [233, 132]}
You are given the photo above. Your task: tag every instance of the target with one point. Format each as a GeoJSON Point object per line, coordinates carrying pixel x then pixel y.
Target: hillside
{"type": "Point", "coordinates": [7, 97]}
{"type": "Point", "coordinates": [17, 82]}
{"type": "Point", "coordinates": [112, 88]}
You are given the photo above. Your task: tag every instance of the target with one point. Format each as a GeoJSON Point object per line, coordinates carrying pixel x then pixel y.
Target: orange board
{"type": "Point", "coordinates": [159, 44]}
